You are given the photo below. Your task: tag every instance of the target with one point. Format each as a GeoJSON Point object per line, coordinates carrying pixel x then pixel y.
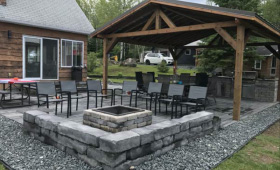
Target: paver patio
{"type": "Point", "coordinates": [223, 108]}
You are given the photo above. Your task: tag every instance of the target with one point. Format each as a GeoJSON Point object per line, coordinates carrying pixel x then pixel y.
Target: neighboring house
{"type": "Point", "coordinates": [42, 40]}
{"type": "Point", "coordinates": [267, 68]}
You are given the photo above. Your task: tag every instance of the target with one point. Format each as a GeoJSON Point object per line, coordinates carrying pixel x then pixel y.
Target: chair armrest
{"type": "Point", "coordinates": [176, 98]}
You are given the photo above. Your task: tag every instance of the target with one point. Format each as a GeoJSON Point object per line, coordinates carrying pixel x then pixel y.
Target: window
{"type": "Point", "coordinates": [258, 64]}
{"type": "Point", "coordinates": [188, 52]}
{"type": "Point", "coordinates": [72, 53]}
{"type": "Point", "coordinates": [273, 66]}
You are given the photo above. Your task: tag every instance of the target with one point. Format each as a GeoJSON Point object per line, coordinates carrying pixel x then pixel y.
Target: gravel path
{"type": "Point", "coordinates": [208, 151]}
{"type": "Point", "coordinates": [22, 152]}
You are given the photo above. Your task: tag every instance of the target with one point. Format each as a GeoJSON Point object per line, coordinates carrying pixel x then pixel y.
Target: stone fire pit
{"type": "Point", "coordinates": [117, 118]}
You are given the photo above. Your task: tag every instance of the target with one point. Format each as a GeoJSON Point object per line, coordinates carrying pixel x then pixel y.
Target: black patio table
{"type": "Point", "coordinates": [12, 82]}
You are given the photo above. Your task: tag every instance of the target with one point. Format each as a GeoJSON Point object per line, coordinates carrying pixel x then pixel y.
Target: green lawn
{"type": "Point", "coordinates": [262, 153]}
{"type": "Point", "coordinates": [2, 167]}
{"type": "Point", "coordinates": [115, 70]}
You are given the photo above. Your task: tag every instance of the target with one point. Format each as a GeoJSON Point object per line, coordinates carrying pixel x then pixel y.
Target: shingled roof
{"type": "Point", "coordinates": [61, 15]}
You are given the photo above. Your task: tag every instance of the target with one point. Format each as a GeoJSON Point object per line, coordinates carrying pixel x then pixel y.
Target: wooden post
{"type": "Point", "coordinates": [278, 98]}
{"type": "Point", "coordinates": [105, 64]}
{"type": "Point", "coordinates": [175, 67]}
{"type": "Point", "coordinates": [238, 71]}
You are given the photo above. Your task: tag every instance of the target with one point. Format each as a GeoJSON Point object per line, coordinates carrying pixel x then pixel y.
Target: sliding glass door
{"type": "Point", "coordinates": [40, 59]}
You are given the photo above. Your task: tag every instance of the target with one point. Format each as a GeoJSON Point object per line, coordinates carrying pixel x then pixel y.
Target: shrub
{"type": "Point", "coordinates": [162, 67]}
{"type": "Point", "coordinates": [92, 62]}
{"type": "Point", "coordinates": [120, 75]}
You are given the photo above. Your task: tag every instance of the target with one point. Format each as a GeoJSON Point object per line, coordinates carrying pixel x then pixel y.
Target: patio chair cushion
{"type": "Point", "coordinates": [94, 85]}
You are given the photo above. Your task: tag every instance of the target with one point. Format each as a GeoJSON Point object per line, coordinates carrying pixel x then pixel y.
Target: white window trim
{"type": "Point", "coordinates": [83, 52]}
{"type": "Point", "coordinates": [273, 68]}
{"type": "Point", "coordinates": [188, 52]}
{"type": "Point", "coordinates": [256, 65]}
{"type": "Point", "coordinates": [41, 57]}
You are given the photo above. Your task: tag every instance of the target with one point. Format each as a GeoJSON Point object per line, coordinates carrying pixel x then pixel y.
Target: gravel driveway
{"type": "Point", "coordinates": [22, 152]}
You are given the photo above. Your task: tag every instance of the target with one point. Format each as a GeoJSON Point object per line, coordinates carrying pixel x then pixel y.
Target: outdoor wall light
{"type": "Point", "coordinates": [9, 34]}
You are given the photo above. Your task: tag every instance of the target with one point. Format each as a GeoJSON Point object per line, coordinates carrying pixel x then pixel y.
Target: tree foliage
{"type": "Point", "coordinates": [224, 58]}
{"type": "Point", "coordinates": [271, 11]}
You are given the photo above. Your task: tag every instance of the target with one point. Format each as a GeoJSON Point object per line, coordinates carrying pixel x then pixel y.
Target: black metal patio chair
{"type": "Point", "coordinates": [139, 79]}
{"type": "Point", "coordinates": [3, 93]}
{"type": "Point", "coordinates": [196, 98]}
{"type": "Point", "coordinates": [165, 80]}
{"type": "Point", "coordinates": [174, 95]}
{"type": "Point", "coordinates": [70, 88]}
{"type": "Point", "coordinates": [147, 78]}
{"type": "Point", "coordinates": [94, 89]}
{"type": "Point", "coordinates": [46, 93]}
{"type": "Point", "coordinates": [153, 92]}
{"type": "Point", "coordinates": [201, 79]}
{"type": "Point", "coordinates": [129, 89]}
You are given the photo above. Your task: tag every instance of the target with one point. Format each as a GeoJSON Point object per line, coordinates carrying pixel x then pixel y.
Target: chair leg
{"type": "Point", "coordinates": [151, 100]}
{"type": "Point", "coordinates": [146, 104]}
{"type": "Point", "coordinates": [61, 106]}
{"type": "Point", "coordinates": [130, 100]}
{"type": "Point", "coordinates": [171, 110]}
{"type": "Point", "coordinates": [55, 108]}
{"type": "Point", "coordinates": [176, 110]}
{"type": "Point", "coordinates": [102, 101]}
{"type": "Point", "coordinates": [77, 103]}
{"type": "Point", "coordinates": [166, 107]}
{"type": "Point", "coordinates": [187, 108]}
{"type": "Point", "coordinates": [121, 100]}
{"type": "Point", "coordinates": [159, 109]}
{"type": "Point", "coordinates": [87, 101]}
{"type": "Point", "coordinates": [155, 107]}
{"type": "Point", "coordinates": [111, 100]}
{"type": "Point", "coordinates": [181, 111]}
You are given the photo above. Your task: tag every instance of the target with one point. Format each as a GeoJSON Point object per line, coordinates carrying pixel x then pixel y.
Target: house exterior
{"type": "Point", "coordinates": [42, 40]}
{"type": "Point", "coordinates": [268, 68]}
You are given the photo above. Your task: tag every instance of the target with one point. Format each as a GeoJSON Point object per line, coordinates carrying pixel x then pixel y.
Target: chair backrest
{"type": "Point", "coordinates": [165, 80]}
{"type": "Point", "coordinates": [46, 88]}
{"type": "Point", "coordinates": [154, 87]}
{"type": "Point", "coordinates": [69, 86]}
{"type": "Point", "coordinates": [129, 86]}
{"type": "Point", "coordinates": [153, 74]}
{"type": "Point", "coordinates": [147, 78]}
{"type": "Point", "coordinates": [175, 89]}
{"type": "Point", "coordinates": [94, 85]}
{"type": "Point", "coordinates": [139, 79]}
{"type": "Point", "coordinates": [201, 79]}
{"type": "Point", "coordinates": [185, 78]}
{"type": "Point", "coordinates": [197, 92]}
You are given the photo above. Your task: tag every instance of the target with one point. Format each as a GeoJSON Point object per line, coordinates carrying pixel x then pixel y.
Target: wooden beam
{"type": "Point", "coordinates": [259, 31]}
{"type": "Point", "coordinates": [149, 22]}
{"type": "Point", "coordinates": [278, 98]}
{"type": "Point", "coordinates": [222, 46]}
{"type": "Point", "coordinates": [184, 15]}
{"type": "Point", "coordinates": [238, 71]}
{"type": "Point", "coordinates": [226, 36]}
{"type": "Point", "coordinates": [166, 19]}
{"type": "Point", "coordinates": [158, 20]}
{"type": "Point", "coordinates": [111, 45]}
{"type": "Point", "coordinates": [171, 30]}
{"type": "Point", "coordinates": [105, 64]}
{"type": "Point", "coordinates": [273, 51]}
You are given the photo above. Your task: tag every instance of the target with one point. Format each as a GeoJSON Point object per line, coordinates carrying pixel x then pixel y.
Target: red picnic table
{"type": "Point", "coordinates": [11, 82]}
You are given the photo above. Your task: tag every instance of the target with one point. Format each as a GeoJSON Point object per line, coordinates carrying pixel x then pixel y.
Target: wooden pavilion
{"type": "Point", "coordinates": [172, 24]}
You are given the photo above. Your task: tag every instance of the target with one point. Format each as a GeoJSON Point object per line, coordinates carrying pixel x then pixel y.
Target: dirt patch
{"type": "Point", "coordinates": [274, 130]}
